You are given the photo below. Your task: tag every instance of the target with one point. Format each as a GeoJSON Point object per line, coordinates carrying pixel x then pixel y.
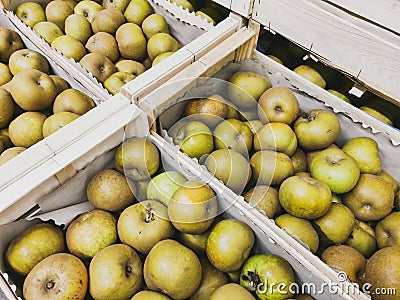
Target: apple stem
{"type": "Point", "coordinates": [308, 117]}
{"type": "Point", "coordinates": [149, 215]}
{"type": "Point", "coordinates": [252, 278]}
{"type": "Point", "coordinates": [128, 269]}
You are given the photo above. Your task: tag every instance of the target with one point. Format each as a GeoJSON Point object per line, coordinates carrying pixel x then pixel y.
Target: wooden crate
{"type": "Point", "coordinates": [236, 54]}
{"type": "Point", "coordinates": [185, 27]}
{"type": "Point", "coordinates": [242, 7]}
{"type": "Point", "coordinates": [63, 203]}
{"type": "Point", "coordinates": [360, 40]}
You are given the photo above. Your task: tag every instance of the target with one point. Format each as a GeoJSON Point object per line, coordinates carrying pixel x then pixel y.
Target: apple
{"type": "Point", "coordinates": [233, 134]}
{"type": "Point", "coordinates": [316, 129]}
{"type": "Point", "coordinates": [362, 238]}
{"type": "Point", "coordinates": [264, 198]}
{"type": "Point", "coordinates": [278, 104]}
{"type": "Point", "coordinates": [116, 81]}
{"type": "Point", "coordinates": [144, 224]}
{"type": "Point", "coordinates": [57, 11]}
{"type": "Point", "coordinates": [9, 43]}
{"type": "Point", "coordinates": [48, 31]}
{"type": "Point", "coordinates": [389, 178]}
{"type": "Point", "coordinates": [193, 207]}
{"type": "Point", "coordinates": [387, 231]}
{"type": "Point", "coordinates": [211, 110]}
{"type": "Point", "coordinates": [305, 197]}
{"type": "Point", "coordinates": [164, 185]}
{"type": "Point", "coordinates": [299, 161]}
{"type": "Point", "coordinates": [231, 291]}
{"type": "Point", "coordinates": [336, 168]}
{"type": "Point", "coordinates": [268, 275]}
{"type": "Point", "coordinates": [69, 46]}
{"type": "Point", "coordinates": [246, 88]}
{"type": "Point", "coordinates": [311, 75]}
{"type": "Point", "coordinates": [270, 167]}
{"type": "Point", "coordinates": [229, 244]}
{"type": "Point", "coordinates": [27, 59]}
{"type": "Point", "coordinates": [78, 27]}
{"type": "Point", "coordinates": [376, 114]}
{"type": "Point", "coordinates": [230, 167]}
{"type": "Point", "coordinates": [193, 137]}
{"type": "Point", "coordinates": [254, 125]}
{"type": "Point", "coordinates": [276, 136]}
{"type": "Point", "coordinates": [87, 8]}
{"type": "Point", "coordinates": [30, 13]}
{"type": "Point", "coordinates": [339, 95]}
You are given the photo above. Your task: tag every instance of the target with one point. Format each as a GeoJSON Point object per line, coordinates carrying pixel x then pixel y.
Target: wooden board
{"type": "Point", "coordinates": [368, 58]}
{"type": "Point", "coordinates": [242, 7]}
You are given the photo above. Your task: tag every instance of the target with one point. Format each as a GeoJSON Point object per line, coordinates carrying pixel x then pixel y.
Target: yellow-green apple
{"type": "Point", "coordinates": [211, 110]}
{"type": "Point", "coordinates": [264, 198]}
{"type": "Point", "coordinates": [316, 129]}
{"type": "Point", "coordinates": [164, 185]}
{"type": "Point", "coordinates": [78, 27]}
{"type": "Point", "coordinates": [161, 43]}
{"type": "Point", "coordinates": [30, 13]}
{"type": "Point", "coordinates": [386, 231]}
{"type": "Point", "coordinates": [130, 66]}
{"type": "Point", "coordinates": [310, 74]}
{"type": "Point", "coordinates": [107, 20]}
{"type": "Point", "coordinates": [26, 129]}
{"type": "Point", "coordinates": [57, 12]}
{"type": "Point", "coordinates": [87, 8]}
{"type": "Point", "coordinates": [9, 43]}
{"type": "Point", "coordinates": [6, 108]}
{"type": "Point", "coordinates": [278, 104]}
{"type": "Point", "coordinates": [74, 101]}
{"type": "Point", "coordinates": [48, 31]}
{"type": "Point", "coordinates": [366, 152]}
{"type": "Point", "coordinates": [99, 65]}
{"type": "Point", "coordinates": [362, 238]}
{"type": "Point", "coordinates": [69, 46]}
{"type": "Point", "coordinates": [339, 95]}
{"type": "Point", "coordinates": [137, 11]}
{"type": "Point", "coordinates": [299, 161]}
{"type": "Point", "coordinates": [231, 291]}
{"type": "Point", "coordinates": [305, 197]}
{"type": "Point", "coordinates": [116, 81]}
{"type": "Point", "coordinates": [57, 121]}
{"type": "Point", "coordinates": [153, 24]}
{"type": "Point", "coordinates": [27, 59]}
{"type": "Point", "coordinates": [131, 41]}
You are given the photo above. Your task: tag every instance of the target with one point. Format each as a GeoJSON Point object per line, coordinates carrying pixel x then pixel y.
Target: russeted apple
{"type": "Point", "coordinates": [233, 134]}
{"type": "Point", "coordinates": [160, 57]}
{"type": "Point", "coordinates": [28, 248]}
{"type": "Point", "coordinates": [73, 100]}
{"type": "Point", "coordinates": [276, 136]}
{"type": "Point", "coordinates": [193, 207]}
{"type": "Point", "coordinates": [60, 275]}
{"type": "Point", "coordinates": [161, 43]}
{"type": "Point", "coordinates": [138, 158]}
{"type": "Point", "coordinates": [316, 129]}
{"type": "Point", "coordinates": [131, 41]}
{"type": "Point", "coordinates": [164, 185]}
{"type": "Point", "coordinates": [362, 238]}
{"type": "Point", "coordinates": [57, 12]}
{"type": "Point", "coordinates": [211, 110]}
{"type": "Point", "coordinates": [107, 20]}
{"type": "Point", "coordinates": [226, 165]}
{"type": "Point", "coordinates": [382, 271]}
{"type": "Point", "coordinates": [337, 169]}
{"type": "Point", "coordinates": [299, 161]}
{"type": "Point", "coordinates": [366, 152]}
{"type": "Point", "coordinates": [345, 259]}
{"type": "Point", "coordinates": [99, 65]}
{"type": "Point", "coordinates": [371, 199]}
{"type": "Point", "coordinates": [246, 88]}
{"type": "Point", "coordinates": [254, 125]}
{"type": "Point", "coordinates": [87, 8]}
{"type": "Point", "coordinates": [305, 197]}
{"type": "Point", "coordinates": [130, 66]}
{"type": "Point", "coordinates": [263, 273]}
{"type": "Point", "coordinates": [27, 129]}
{"type": "Point", "coordinates": [387, 231]}
{"type": "Point", "coordinates": [231, 291]}
{"type": "Point", "coordinates": [193, 137]}
{"type": "Point", "coordinates": [10, 42]}
{"type": "Point", "coordinates": [116, 4]}
{"type": "Point", "coordinates": [78, 27]}
{"type": "Point", "coordinates": [278, 104]}
{"type": "Point", "coordinates": [27, 59]}
{"type": "Point", "coordinates": [103, 43]}
{"type": "Point", "coordinates": [299, 228]}
{"type": "Point", "coordinates": [195, 242]}
{"type": "Point", "coordinates": [144, 224]}
{"type": "Point", "coordinates": [229, 244]}
{"type": "Point", "coordinates": [211, 279]}
{"type": "Point", "coordinates": [153, 24]}
{"type": "Point", "coordinates": [10, 153]}
{"type": "Point", "coordinates": [6, 108]}
{"type": "Point", "coordinates": [57, 121]}
{"type": "Point", "coordinates": [270, 167]}
{"type": "Point", "coordinates": [389, 178]}
{"type": "Point", "coordinates": [115, 272]}
{"type": "Point", "coordinates": [173, 269]}
{"type": "Point", "coordinates": [264, 198]}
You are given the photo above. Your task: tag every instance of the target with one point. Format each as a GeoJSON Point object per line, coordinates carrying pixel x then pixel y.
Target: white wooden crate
{"type": "Point", "coordinates": [185, 27]}
{"type": "Point", "coordinates": [220, 62]}
{"type": "Point", "coordinates": [242, 7]}
{"type": "Point", "coordinates": [63, 203]}
{"type": "Point", "coordinates": [346, 35]}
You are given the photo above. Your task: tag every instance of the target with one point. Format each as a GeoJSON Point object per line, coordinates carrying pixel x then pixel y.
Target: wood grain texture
{"type": "Point", "coordinates": [366, 57]}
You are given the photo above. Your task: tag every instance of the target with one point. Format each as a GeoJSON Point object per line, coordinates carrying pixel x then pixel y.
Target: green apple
{"type": "Point", "coordinates": [32, 89]}
{"type": "Point", "coordinates": [163, 186]}
{"type": "Point", "coordinates": [264, 198]}
{"type": "Point", "coordinates": [254, 125]}
{"type": "Point", "coordinates": [74, 101]}
{"type": "Point", "coordinates": [299, 161]}
{"type": "Point", "coordinates": [276, 136]}
{"type": "Point", "coordinates": [9, 43]}
{"type": "Point", "coordinates": [57, 121]}
{"type": "Point", "coordinates": [366, 153]}
{"type": "Point", "coordinates": [310, 74]}
{"type": "Point", "coordinates": [26, 129]}
{"type": "Point", "coordinates": [337, 223]}
{"type": "Point", "coordinates": [83, 237]}
{"type": "Point", "coordinates": [336, 168]}
{"type": "Point", "coordinates": [130, 66]}
{"type": "Point", "coordinates": [121, 5]}
{"type": "Point", "coordinates": [270, 167]}
{"type": "Point", "coordinates": [48, 31]}
{"type": "Point", "coordinates": [116, 81]}
{"type": "Point", "coordinates": [386, 231]}
{"type": "Point", "coordinates": [154, 24]}
{"type": "Point", "coordinates": [30, 13]}
{"type": "Point", "coordinates": [6, 108]}
{"type": "Point", "coordinates": [229, 244]}
{"type": "Point", "coordinates": [131, 41]}
{"type": "Point", "coordinates": [269, 276]}
{"type": "Point", "coordinates": [362, 238]}
{"type": "Point", "coordinates": [299, 228]}
{"type": "Point", "coordinates": [69, 46]}
{"type": "Point", "coordinates": [57, 12]}
{"type": "Point", "coordinates": [275, 58]}
{"type": "Point", "coordinates": [339, 95]}
{"type": "Point", "coordinates": [230, 167]}
{"type": "Point", "coordinates": [193, 207]}
{"type": "Point", "coordinates": [317, 129]}
{"type": "Point", "coordinates": [371, 199]}
{"type": "Point", "coordinates": [144, 224]}
{"type": "Point", "coordinates": [115, 272]}
{"type": "Point", "coordinates": [193, 137]}
{"type": "Point", "coordinates": [160, 57]}
{"type": "Point", "coordinates": [87, 8]}
{"type": "Point", "coordinates": [233, 134]}
{"type": "Point", "coordinates": [246, 88]}
{"type": "Point", "coordinates": [27, 59]}
{"type": "Point", "coordinates": [305, 197]}
{"type": "Point", "coordinates": [376, 114]}
{"type": "Point", "coordinates": [99, 65]}
{"type": "Point", "coordinates": [10, 153]}
{"type": "Point", "coordinates": [137, 11]}
{"type": "Point", "coordinates": [78, 27]}
{"type": "Point", "coordinates": [161, 43]}
{"type": "Point", "coordinates": [278, 104]}
{"type": "Point", "coordinates": [231, 291]}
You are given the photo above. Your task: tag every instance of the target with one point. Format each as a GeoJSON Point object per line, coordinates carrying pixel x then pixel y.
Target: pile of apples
{"type": "Point", "coordinates": [114, 40]}
{"type": "Point", "coordinates": [336, 200]}
{"type": "Point", "coordinates": [33, 103]}
{"type": "Point", "coordinates": [172, 245]}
